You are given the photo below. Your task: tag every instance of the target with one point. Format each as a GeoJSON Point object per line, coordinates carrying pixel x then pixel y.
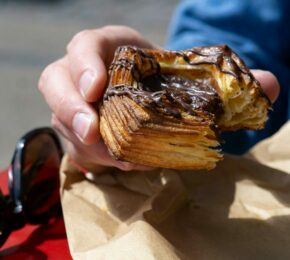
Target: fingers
{"type": "Point", "coordinates": [91, 51]}
{"type": "Point", "coordinates": [269, 83]}
{"type": "Point", "coordinates": [67, 104]}
{"type": "Point", "coordinates": [92, 157]}
{"type": "Point", "coordinates": [77, 121]}
{"type": "Point", "coordinates": [71, 84]}
{"type": "Point", "coordinates": [86, 55]}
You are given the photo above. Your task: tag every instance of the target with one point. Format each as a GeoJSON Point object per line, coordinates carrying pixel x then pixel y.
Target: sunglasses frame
{"type": "Point", "coordinates": [12, 207]}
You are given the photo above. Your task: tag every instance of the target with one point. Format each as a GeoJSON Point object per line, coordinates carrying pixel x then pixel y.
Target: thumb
{"type": "Point", "coordinates": [269, 83]}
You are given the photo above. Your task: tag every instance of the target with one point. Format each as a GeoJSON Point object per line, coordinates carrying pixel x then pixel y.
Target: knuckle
{"type": "Point", "coordinates": [77, 38]}
{"type": "Point", "coordinates": [108, 28]}
{"type": "Point", "coordinates": [100, 36]}
{"type": "Point", "coordinates": [43, 77]}
{"type": "Point", "coordinates": [111, 29]}
{"type": "Point", "coordinates": [54, 122]}
{"type": "Point", "coordinates": [61, 105]}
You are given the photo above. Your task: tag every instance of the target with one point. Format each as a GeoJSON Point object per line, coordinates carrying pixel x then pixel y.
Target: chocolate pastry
{"type": "Point", "coordinates": [167, 108]}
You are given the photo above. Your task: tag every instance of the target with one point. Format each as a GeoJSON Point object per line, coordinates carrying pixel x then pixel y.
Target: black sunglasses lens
{"type": "Point", "coordinates": [40, 178]}
{"type": "Point", "coordinates": [4, 229]}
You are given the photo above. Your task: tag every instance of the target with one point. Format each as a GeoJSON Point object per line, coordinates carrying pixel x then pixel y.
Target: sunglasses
{"type": "Point", "coordinates": [33, 180]}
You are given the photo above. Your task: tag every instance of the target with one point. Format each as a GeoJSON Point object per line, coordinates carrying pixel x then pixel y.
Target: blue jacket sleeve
{"type": "Point", "coordinates": [258, 31]}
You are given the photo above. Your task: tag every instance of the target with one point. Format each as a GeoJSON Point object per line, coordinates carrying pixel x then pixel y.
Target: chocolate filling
{"type": "Point", "coordinates": [171, 94]}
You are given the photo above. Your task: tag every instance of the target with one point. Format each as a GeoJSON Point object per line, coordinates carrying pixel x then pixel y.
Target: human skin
{"type": "Point", "coordinates": [71, 84]}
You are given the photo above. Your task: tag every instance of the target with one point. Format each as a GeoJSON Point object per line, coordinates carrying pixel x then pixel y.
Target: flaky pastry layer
{"type": "Point", "coordinates": [166, 108]}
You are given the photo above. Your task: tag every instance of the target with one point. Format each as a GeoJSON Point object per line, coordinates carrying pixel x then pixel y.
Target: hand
{"type": "Point", "coordinates": [72, 83]}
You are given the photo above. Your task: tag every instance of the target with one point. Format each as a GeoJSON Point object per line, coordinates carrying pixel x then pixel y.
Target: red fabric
{"type": "Point", "coordinates": [34, 241]}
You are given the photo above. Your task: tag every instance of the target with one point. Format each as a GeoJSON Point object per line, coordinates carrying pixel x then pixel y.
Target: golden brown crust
{"type": "Point", "coordinates": [165, 108]}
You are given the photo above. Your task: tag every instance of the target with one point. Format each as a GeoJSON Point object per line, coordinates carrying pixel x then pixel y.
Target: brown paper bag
{"type": "Point", "coordinates": [240, 210]}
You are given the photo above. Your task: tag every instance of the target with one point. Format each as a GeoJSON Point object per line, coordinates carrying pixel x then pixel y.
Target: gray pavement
{"type": "Point", "coordinates": [33, 35]}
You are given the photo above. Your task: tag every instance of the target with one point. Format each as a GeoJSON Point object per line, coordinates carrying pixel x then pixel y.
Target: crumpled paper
{"type": "Point", "coordinates": [239, 210]}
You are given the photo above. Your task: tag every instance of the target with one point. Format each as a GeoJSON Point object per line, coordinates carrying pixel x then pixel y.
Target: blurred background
{"type": "Point", "coordinates": [34, 33]}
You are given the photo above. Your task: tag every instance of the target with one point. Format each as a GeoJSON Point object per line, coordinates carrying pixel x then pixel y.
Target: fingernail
{"type": "Point", "coordinates": [81, 125]}
{"type": "Point", "coordinates": [86, 81]}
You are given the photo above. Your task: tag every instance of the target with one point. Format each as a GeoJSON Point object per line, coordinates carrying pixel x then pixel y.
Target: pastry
{"type": "Point", "coordinates": [167, 108]}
